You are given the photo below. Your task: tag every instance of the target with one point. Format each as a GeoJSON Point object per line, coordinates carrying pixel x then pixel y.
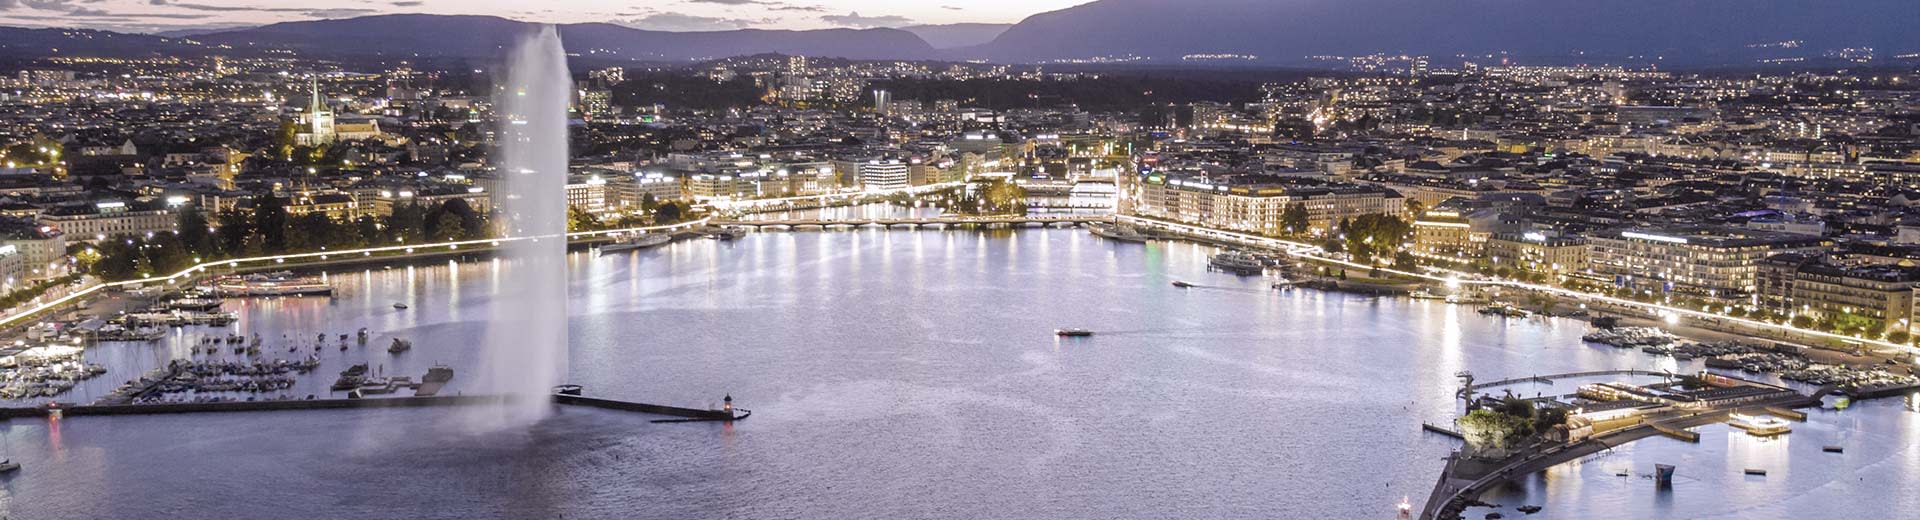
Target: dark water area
{"type": "Point", "coordinates": [904, 374]}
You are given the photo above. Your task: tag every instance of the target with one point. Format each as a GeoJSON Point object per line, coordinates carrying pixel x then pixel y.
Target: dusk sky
{"type": "Point", "coordinates": [671, 15]}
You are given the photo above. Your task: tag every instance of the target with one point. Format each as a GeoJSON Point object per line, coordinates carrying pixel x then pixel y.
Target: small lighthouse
{"type": "Point", "coordinates": [727, 404]}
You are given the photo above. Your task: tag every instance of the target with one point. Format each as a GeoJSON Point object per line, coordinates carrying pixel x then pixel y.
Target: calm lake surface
{"type": "Point", "coordinates": [915, 374]}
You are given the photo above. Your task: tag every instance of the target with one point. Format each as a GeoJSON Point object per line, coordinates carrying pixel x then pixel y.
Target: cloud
{"type": "Point", "coordinates": [853, 19]}
{"type": "Point", "coordinates": [953, 8]}
{"type": "Point", "coordinates": [44, 5]}
{"type": "Point", "coordinates": [407, 3]}
{"type": "Point", "coordinates": [687, 22]}
{"type": "Point", "coordinates": [724, 2]}
{"type": "Point", "coordinates": [306, 11]}
{"type": "Point", "coordinates": [795, 7]}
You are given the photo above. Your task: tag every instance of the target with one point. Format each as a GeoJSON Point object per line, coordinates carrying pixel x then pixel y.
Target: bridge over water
{"type": "Point", "coordinates": [919, 222]}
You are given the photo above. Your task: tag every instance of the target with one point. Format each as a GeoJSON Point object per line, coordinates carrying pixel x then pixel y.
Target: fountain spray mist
{"type": "Point", "coordinates": [526, 342]}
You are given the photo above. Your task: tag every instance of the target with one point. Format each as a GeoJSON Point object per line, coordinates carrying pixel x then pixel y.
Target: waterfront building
{"type": "Point", "coordinates": [42, 248]}
{"type": "Point", "coordinates": [1255, 203]}
{"type": "Point", "coordinates": [1702, 260]}
{"type": "Point", "coordinates": [1444, 233]}
{"type": "Point", "coordinates": [97, 221]}
{"type": "Point", "coordinates": [337, 205]}
{"type": "Point", "coordinates": [1538, 252]}
{"type": "Point", "coordinates": [13, 269]}
{"type": "Point", "coordinates": [630, 191]}
{"type": "Point", "coordinates": [587, 193]}
{"type": "Point", "coordinates": [1830, 287]}
{"type": "Point", "coordinates": [883, 175]}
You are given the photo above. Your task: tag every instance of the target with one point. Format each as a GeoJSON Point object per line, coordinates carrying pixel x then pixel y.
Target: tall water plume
{"type": "Point", "coordinates": [526, 342]}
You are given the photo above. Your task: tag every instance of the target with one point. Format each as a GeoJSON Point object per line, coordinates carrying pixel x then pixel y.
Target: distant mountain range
{"type": "Point", "coordinates": [480, 37]}
{"type": "Point", "coordinates": [956, 35]}
{"type": "Point", "coordinates": [1673, 33]}
{"type": "Point", "coordinates": [486, 36]}
{"type": "Point", "coordinates": [1684, 32]}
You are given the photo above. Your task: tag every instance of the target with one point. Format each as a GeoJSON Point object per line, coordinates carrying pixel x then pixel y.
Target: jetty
{"type": "Point", "coordinates": [681, 414]}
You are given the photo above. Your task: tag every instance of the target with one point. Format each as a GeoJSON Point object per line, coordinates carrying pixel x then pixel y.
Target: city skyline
{"type": "Point", "coordinates": [155, 16]}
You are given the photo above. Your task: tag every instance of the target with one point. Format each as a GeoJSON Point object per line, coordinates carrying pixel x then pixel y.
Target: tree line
{"type": "Point", "coordinates": [269, 229]}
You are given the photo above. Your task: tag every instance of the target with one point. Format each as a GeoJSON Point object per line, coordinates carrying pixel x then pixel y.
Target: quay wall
{"type": "Point", "coordinates": [329, 404]}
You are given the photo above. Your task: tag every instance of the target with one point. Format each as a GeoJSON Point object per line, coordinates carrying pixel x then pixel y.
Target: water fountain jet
{"type": "Point", "coordinates": [525, 347]}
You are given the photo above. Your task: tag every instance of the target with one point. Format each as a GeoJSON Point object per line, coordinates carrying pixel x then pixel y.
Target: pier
{"type": "Point", "coordinates": [1466, 477]}
{"type": "Point", "coordinates": [687, 414]}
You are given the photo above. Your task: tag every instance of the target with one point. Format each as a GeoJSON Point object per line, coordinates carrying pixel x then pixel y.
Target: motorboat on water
{"type": "Point", "coordinates": [283, 283]}
{"type": "Point", "coordinates": [1072, 333]}
{"type": "Point", "coordinates": [1116, 232]}
{"type": "Point", "coordinates": [646, 241]}
{"type": "Point", "coordinates": [727, 233]}
{"type": "Point", "coordinates": [1182, 285]}
{"type": "Point", "coordinates": [1238, 262]}
{"type": "Point", "coordinates": [401, 306]}
{"type": "Point", "coordinates": [399, 345]}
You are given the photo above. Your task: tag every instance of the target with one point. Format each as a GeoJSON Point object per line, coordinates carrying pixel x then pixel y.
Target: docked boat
{"type": "Point", "coordinates": [1759, 425]}
{"type": "Point", "coordinates": [1072, 333]}
{"type": "Point", "coordinates": [1423, 294]}
{"type": "Point", "coordinates": [1237, 262]}
{"type": "Point", "coordinates": [9, 466]}
{"type": "Point", "coordinates": [438, 374]}
{"type": "Point", "coordinates": [1115, 232]}
{"type": "Point", "coordinates": [727, 234]}
{"type": "Point", "coordinates": [645, 241]}
{"type": "Point", "coordinates": [282, 283]}
{"type": "Point", "coordinates": [1505, 310]}
{"type": "Point", "coordinates": [399, 345]}
{"type": "Point", "coordinates": [351, 378]}
{"type": "Point", "coordinates": [194, 302]}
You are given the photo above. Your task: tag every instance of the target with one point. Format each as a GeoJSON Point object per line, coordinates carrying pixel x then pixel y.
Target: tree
{"type": "Point", "coordinates": [1491, 432]}
{"type": "Point", "coordinates": [408, 223]}
{"type": "Point", "coordinates": [1373, 235]}
{"type": "Point", "coordinates": [580, 220]}
{"type": "Point", "coordinates": [1294, 220]}
{"type": "Point", "coordinates": [666, 213]}
{"type": "Point", "coordinates": [1802, 321]}
{"type": "Point", "coordinates": [234, 229]}
{"type": "Point", "coordinates": [448, 228]}
{"type": "Point", "coordinates": [270, 221]}
{"type": "Point", "coordinates": [1545, 419]}
{"type": "Point", "coordinates": [1899, 336]}
{"type": "Point", "coordinates": [195, 234]}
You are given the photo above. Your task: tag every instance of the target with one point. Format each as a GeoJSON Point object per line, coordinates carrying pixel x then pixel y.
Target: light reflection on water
{"type": "Point", "coordinates": [911, 374]}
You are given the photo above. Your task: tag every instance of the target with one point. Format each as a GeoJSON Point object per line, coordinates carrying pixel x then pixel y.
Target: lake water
{"type": "Point", "coordinates": [915, 374]}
